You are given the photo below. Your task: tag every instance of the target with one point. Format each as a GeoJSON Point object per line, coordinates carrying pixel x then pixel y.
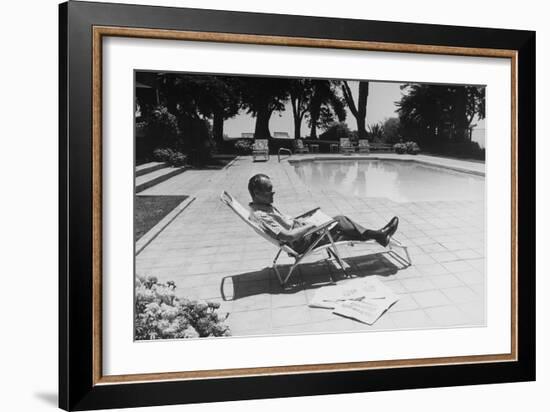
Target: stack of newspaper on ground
{"type": "Point", "coordinates": [362, 299]}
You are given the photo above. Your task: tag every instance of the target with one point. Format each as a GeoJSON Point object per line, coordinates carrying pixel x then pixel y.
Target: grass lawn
{"type": "Point", "coordinates": [149, 210]}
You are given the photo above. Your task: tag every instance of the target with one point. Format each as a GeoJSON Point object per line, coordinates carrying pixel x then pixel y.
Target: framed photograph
{"type": "Point", "coordinates": [257, 205]}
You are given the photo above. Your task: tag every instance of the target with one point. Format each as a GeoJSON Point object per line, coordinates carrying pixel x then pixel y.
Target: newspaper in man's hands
{"type": "Point", "coordinates": [318, 218]}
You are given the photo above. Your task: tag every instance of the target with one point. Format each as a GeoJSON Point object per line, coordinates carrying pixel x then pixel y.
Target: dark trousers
{"type": "Point", "coordinates": [346, 229]}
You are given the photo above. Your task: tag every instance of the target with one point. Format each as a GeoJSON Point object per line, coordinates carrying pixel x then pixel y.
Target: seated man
{"type": "Point", "coordinates": [292, 231]}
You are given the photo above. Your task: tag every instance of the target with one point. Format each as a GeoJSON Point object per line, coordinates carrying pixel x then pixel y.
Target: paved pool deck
{"type": "Point", "coordinates": [211, 254]}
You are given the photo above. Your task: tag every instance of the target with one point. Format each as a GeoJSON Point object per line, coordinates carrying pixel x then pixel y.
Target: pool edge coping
{"type": "Point", "coordinates": [420, 161]}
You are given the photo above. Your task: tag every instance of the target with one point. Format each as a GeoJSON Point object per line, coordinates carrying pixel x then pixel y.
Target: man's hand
{"type": "Point", "coordinates": [300, 222]}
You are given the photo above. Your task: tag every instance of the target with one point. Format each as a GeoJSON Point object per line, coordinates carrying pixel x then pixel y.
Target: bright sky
{"type": "Point", "coordinates": [380, 106]}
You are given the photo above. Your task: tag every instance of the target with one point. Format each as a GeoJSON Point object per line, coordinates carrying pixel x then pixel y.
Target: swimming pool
{"type": "Point", "coordinates": [400, 181]}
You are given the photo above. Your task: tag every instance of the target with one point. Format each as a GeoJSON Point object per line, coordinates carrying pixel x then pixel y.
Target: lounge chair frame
{"type": "Point", "coordinates": [324, 230]}
{"type": "Point", "coordinates": [346, 146]}
{"type": "Point", "coordinates": [260, 149]}
{"type": "Point", "coordinates": [363, 146]}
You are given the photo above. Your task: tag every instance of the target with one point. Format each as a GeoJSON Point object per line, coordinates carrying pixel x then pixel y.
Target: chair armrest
{"type": "Point", "coordinates": [307, 213]}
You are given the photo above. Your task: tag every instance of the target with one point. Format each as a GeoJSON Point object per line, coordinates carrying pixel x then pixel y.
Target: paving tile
{"type": "Point", "coordinates": [422, 259]}
{"type": "Point", "coordinates": [290, 316]}
{"type": "Point", "coordinates": [475, 312]}
{"type": "Point", "coordinates": [458, 266]}
{"type": "Point", "coordinates": [433, 248]}
{"type": "Point", "coordinates": [410, 272]}
{"type": "Point", "coordinates": [255, 319]}
{"type": "Point", "coordinates": [405, 302]}
{"type": "Point", "coordinates": [253, 302]}
{"type": "Point", "coordinates": [444, 256]}
{"type": "Point", "coordinates": [395, 286]}
{"type": "Point", "coordinates": [432, 269]}
{"type": "Point", "coordinates": [430, 298]}
{"type": "Point", "coordinates": [454, 246]}
{"type": "Point", "coordinates": [288, 299]}
{"type": "Point", "coordinates": [417, 284]}
{"type": "Point", "coordinates": [478, 264]}
{"type": "Point", "coordinates": [461, 294]}
{"type": "Point", "coordinates": [470, 277]}
{"type": "Point", "coordinates": [412, 319]}
{"type": "Point", "coordinates": [445, 281]}
{"type": "Point", "coordinates": [478, 288]}
{"type": "Point", "coordinates": [468, 254]}
{"type": "Point", "coordinates": [447, 316]}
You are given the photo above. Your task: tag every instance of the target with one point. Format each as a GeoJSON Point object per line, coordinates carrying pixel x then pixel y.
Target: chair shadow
{"type": "Point", "coordinates": [308, 276]}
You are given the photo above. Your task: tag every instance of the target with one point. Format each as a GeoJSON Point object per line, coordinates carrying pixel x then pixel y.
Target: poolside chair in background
{"type": "Point", "coordinates": [331, 248]}
{"type": "Point", "coordinates": [260, 149]}
{"type": "Point", "coordinates": [346, 146]}
{"type": "Point", "coordinates": [299, 146]}
{"type": "Point", "coordinates": [364, 146]}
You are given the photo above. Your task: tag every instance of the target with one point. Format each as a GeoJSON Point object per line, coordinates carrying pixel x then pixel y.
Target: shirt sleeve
{"type": "Point", "coordinates": [268, 222]}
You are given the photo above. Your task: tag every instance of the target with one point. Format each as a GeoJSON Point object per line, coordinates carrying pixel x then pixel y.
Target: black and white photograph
{"type": "Point", "coordinates": [271, 205]}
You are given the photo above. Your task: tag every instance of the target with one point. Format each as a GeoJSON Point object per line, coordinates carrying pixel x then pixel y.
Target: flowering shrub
{"type": "Point", "coordinates": [161, 315]}
{"type": "Point", "coordinates": [412, 148]}
{"type": "Point", "coordinates": [400, 148]}
{"type": "Point", "coordinates": [161, 125]}
{"type": "Point", "coordinates": [407, 147]}
{"type": "Point", "coordinates": [170, 156]}
{"type": "Point", "coordinates": [243, 147]}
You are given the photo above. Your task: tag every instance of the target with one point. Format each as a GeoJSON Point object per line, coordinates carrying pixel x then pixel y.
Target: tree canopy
{"type": "Point", "coordinates": [262, 96]}
{"type": "Point", "coordinates": [435, 114]}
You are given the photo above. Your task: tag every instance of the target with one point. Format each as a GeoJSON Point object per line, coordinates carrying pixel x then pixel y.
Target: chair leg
{"type": "Point", "coordinates": [334, 251]}
{"type": "Point", "coordinates": [282, 280]}
{"type": "Point", "coordinates": [275, 266]}
{"type": "Point", "coordinates": [405, 260]}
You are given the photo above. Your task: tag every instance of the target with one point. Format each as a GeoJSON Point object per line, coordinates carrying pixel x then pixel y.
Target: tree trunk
{"type": "Point", "coordinates": [313, 134]}
{"type": "Point", "coordinates": [297, 127]}
{"type": "Point", "coordinates": [314, 119]}
{"type": "Point", "coordinates": [261, 130]}
{"type": "Point", "coordinates": [460, 114]}
{"type": "Point", "coordinates": [362, 109]}
{"type": "Point", "coordinates": [217, 127]}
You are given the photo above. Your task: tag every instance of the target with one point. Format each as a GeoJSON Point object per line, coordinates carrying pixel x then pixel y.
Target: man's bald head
{"type": "Point", "coordinates": [261, 189]}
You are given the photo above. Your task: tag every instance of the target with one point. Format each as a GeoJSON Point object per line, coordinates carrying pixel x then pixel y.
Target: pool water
{"type": "Point", "coordinates": [400, 181]}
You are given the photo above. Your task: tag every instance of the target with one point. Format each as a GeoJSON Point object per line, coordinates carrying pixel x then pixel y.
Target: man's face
{"type": "Point", "coordinates": [264, 193]}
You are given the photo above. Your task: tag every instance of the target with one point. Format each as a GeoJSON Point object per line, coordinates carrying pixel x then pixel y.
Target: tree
{"type": "Point", "coordinates": [261, 97]}
{"type": "Point", "coordinates": [324, 103]}
{"type": "Point", "coordinates": [358, 110]}
{"type": "Point", "coordinates": [222, 101]}
{"type": "Point", "coordinates": [301, 91]}
{"type": "Point", "coordinates": [376, 132]}
{"type": "Point", "coordinates": [194, 97]}
{"type": "Point", "coordinates": [439, 115]}
{"type": "Point", "coordinates": [391, 130]}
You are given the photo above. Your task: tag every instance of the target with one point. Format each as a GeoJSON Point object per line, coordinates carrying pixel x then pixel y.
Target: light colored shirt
{"type": "Point", "coordinates": [270, 218]}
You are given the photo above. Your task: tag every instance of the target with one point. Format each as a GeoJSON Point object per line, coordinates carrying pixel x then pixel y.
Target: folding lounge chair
{"type": "Point", "coordinates": [260, 149]}
{"type": "Point", "coordinates": [299, 146]}
{"type": "Point", "coordinates": [331, 248]}
{"type": "Point", "coordinates": [346, 146]}
{"type": "Point", "coordinates": [364, 146]}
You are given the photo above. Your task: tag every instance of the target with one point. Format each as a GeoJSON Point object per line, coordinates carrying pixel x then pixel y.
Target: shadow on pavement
{"type": "Point", "coordinates": [308, 276]}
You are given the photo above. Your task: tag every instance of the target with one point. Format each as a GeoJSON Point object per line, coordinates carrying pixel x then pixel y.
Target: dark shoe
{"type": "Point", "coordinates": [393, 226]}
{"type": "Point", "coordinates": [388, 231]}
{"type": "Point", "coordinates": [390, 223]}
